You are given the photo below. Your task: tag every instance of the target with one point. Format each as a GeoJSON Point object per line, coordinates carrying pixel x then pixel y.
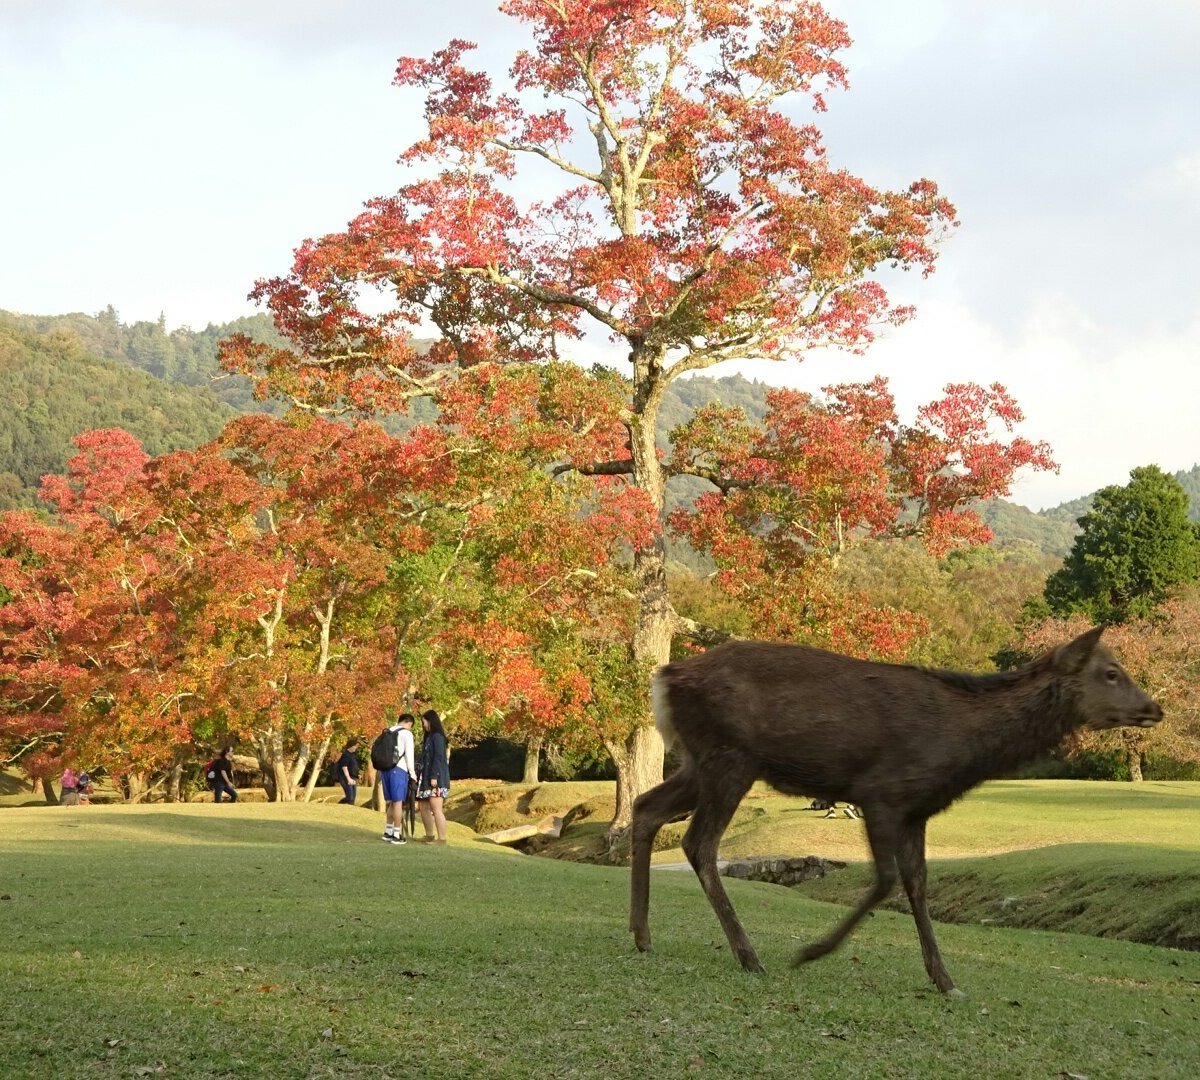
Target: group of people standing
{"type": "Point", "coordinates": [429, 779]}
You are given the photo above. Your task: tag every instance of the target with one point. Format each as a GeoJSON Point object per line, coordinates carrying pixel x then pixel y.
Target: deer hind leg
{"type": "Point", "coordinates": [882, 833]}
{"type": "Point", "coordinates": [910, 857]}
{"type": "Point", "coordinates": [675, 795]}
{"type": "Point", "coordinates": [718, 800]}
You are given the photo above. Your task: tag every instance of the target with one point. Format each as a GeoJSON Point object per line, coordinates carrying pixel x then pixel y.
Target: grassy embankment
{"type": "Point", "coordinates": [287, 941]}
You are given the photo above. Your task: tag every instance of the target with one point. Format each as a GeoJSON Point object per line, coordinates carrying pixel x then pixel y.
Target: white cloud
{"type": "Point", "coordinates": [162, 156]}
{"type": "Point", "coordinates": [1104, 406]}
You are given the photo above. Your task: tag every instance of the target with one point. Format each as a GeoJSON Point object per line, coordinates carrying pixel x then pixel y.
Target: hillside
{"type": "Point", "coordinates": [69, 373]}
{"type": "Point", "coordinates": [183, 357]}
{"type": "Point", "coordinates": [55, 388]}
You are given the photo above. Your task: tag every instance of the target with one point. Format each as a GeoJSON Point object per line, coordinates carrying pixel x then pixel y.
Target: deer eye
{"type": "Point", "coordinates": [1112, 674]}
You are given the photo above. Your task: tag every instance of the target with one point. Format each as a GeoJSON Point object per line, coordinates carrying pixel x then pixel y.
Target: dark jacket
{"type": "Point", "coordinates": [349, 761]}
{"type": "Point", "coordinates": [223, 767]}
{"type": "Point", "coordinates": [435, 763]}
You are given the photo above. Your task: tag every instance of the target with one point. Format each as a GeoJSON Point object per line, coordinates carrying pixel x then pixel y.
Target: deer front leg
{"type": "Point", "coordinates": [675, 796]}
{"type": "Point", "coordinates": [910, 857]}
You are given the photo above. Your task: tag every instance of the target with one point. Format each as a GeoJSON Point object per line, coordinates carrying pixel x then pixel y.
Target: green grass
{"type": "Point", "coordinates": [287, 941]}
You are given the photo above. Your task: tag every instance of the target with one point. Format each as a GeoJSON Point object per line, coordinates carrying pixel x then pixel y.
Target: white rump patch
{"type": "Point", "coordinates": [660, 705]}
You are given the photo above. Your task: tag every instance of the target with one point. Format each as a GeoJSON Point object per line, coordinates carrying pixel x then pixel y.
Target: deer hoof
{"type": "Point", "coordinates": [955, 994]}
{"type": "Point", "coordinates": [751, 964]}
{"type": "Point", "coordinates": [810, 952]}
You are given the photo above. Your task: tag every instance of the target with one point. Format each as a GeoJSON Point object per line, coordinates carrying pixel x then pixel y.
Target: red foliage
{"type": "Point", "coordinates": [819, 474]}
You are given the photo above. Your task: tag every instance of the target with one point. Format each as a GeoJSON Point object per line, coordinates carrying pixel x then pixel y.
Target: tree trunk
{"type": "Point", "coordinates": [1134, 756]}
{"type": "Point", "coordinates": [272, 760]}
{"type": "Point", "coordinates": [533, 753]}
{"type": "Point", "coordinates": [136, 787]}
{"type": "Point", "coordinates": [318, 765]}
{"type": "Point", "coordinates": [639, 759]}
{"type": "Point", "coordinates": [42, 785]}
{"type": "Point", "coordinates": [175, 784]}
{"type": "Point", "coordinates": [282, 775]}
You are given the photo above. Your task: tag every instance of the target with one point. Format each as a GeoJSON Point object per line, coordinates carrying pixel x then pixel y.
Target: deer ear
{"type": "Point", "coordinates": [1075, 654]}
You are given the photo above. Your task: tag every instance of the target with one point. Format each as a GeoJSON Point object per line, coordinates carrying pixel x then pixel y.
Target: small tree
{"type": "Point", "coordinates": [1135, 544]}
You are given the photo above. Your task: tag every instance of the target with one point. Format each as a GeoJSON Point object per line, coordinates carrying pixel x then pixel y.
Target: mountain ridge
{"type": "Point", "coordinates": [165, 387]}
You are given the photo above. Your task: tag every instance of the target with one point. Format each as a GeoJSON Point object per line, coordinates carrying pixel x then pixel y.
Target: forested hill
{"type": "Point", "coordinates": [54, 388]}
{"type": "Point", "coordinates": [183, 357]}
{"type": "Point", "coordinates": [63, 374]}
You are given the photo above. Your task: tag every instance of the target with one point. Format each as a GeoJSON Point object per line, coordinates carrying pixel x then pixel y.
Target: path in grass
{"type": "Point", "coordinates": [287, 941]}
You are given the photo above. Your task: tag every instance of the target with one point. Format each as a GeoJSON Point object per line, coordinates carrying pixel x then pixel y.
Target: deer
{"type": "Point", "coordinates": [900, 742]}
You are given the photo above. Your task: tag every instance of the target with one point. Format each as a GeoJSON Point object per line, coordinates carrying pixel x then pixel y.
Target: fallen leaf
{"type": "Point", "coordinates": [266, 988]}
{"type": "Point", "coordinates": [327, 1033]}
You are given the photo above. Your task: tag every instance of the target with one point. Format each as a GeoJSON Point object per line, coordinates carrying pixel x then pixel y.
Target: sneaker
{"type": "Point", "coordinates": [399, 840]}
{"type": "Point", "coordinates": [832, 813]}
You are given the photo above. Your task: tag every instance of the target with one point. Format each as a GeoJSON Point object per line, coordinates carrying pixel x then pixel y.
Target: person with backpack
{"type": "Point", "coordinates": [435, 778]}
{"type": "Point", "coordinates": [393, 755]}
{"type": "Point", "coordinates": [346, 772]}
{"type": "Point", "coordinates": [220, 775]}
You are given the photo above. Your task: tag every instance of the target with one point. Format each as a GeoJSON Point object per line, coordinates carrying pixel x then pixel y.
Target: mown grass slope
{"type": "Point", "coordinates": [287, 941]}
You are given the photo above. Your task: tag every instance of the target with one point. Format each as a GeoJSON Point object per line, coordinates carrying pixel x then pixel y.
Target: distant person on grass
{"type": "Point", "coordinates": [346, 771]}
{"type": "Point", "coordinates": [69, 782]}
{"type": "Point", "coordinates": [222, 781]}
{"type": "Point", "coordinates": [434, 786]}
{"type": "Point", "coordinates": [395, 746]}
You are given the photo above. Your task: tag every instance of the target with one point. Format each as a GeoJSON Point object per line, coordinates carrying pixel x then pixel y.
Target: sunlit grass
{"type": "Point", "coordinates": [288, 941]}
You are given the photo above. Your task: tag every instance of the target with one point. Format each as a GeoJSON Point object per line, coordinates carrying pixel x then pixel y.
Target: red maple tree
{"type": "Point", "coordinates": [697, 222]}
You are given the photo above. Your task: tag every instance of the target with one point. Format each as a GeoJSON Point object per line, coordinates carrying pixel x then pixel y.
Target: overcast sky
{"type": "Point", "coordinates": [160, 155]}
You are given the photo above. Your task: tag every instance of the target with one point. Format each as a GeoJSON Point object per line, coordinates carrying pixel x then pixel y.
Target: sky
{"type": "Point", "coordinates": [162, 155]}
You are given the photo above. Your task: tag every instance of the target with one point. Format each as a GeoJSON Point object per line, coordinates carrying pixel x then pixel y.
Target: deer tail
{"type": "Point", "coordinates": [660, 706]}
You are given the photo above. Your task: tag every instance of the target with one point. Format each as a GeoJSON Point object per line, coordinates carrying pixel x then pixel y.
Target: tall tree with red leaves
{"type": "Point", "coordinates": [697, 222]}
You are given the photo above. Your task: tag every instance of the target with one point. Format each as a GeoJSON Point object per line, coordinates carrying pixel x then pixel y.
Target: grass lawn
{"type": "Point", "coordinates": [288, 941]}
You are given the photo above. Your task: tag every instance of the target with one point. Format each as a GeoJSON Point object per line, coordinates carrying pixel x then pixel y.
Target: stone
{"type": "Point", "coordinates": [781, 869]}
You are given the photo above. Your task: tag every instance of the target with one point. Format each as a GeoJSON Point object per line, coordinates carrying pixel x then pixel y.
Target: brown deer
{"type": "Point", "coordinates": [902, 743]}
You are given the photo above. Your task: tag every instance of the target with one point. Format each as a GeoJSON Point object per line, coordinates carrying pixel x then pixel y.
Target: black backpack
{"type": "Point", "coordinates": [210, 772]}
{"type": "Point", "coordinates": [385, 750]}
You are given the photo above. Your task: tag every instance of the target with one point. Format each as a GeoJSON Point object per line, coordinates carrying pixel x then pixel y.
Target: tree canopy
{"type": "Point", "coordinates": [1135, 544]}
{"type": "Point", "coordinates": [696, 222]}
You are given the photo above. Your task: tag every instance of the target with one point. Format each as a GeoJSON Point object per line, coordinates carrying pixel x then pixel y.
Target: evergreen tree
{"type": "Point", "coordinates": [1134, 545]}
